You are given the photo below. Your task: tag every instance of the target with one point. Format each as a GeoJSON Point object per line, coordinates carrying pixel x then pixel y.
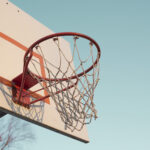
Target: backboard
{"type": "Point", "coordinates": [18, 31]}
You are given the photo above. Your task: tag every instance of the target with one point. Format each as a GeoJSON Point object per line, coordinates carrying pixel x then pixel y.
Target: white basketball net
{"type": "Point", "coordinates": [74, 104]}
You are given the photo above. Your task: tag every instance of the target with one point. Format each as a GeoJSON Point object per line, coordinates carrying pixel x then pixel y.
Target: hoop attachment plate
{"type": "Point", "coordinates": [25, 98]}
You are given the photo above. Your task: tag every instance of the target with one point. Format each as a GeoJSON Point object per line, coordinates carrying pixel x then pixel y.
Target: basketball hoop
{"type": "Point", "coordinates": [69, 82]}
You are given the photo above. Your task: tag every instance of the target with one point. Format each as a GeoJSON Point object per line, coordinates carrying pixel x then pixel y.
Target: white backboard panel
{"type": "Point", "coordinates": [18, 31]}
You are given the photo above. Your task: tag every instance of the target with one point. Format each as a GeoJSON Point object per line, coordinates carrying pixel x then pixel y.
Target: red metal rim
{"type": "Point", "coordinates": [30, 53]}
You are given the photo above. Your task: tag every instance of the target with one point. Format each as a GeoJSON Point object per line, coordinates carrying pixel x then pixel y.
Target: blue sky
{"type": "Point", "coordinates": [123, 95]}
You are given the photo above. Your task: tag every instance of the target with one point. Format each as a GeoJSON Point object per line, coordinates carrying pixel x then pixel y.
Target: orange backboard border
{"type": "Point", "coordinates": [24, 48]}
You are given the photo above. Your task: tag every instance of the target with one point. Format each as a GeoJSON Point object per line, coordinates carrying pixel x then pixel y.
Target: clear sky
{"type": "Point", "coordinates": [122, 29]}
